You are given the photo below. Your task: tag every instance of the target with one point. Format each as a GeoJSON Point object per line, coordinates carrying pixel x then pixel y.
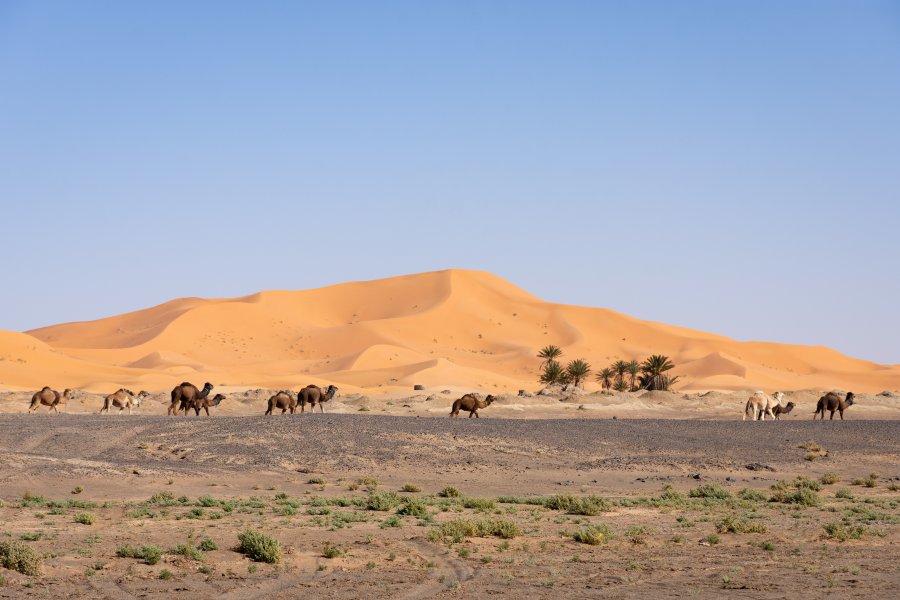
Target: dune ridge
{"type": "Point", "coordinates": [454, 327]}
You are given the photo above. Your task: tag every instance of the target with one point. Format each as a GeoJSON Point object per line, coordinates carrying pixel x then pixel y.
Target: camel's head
{"type": "Point", "coordinates": [207, 387]}
{"type": "Point", "coordinates": [489, 399]}
{"type": "Point", "coordinates": [779, 396]}
{"type": "Point", "coordinates": [850, 398]}
{"type": "Point", "coordinates": [68, 394]}
{"type": "Point", "coordinates": [788, 407]}
{"type": "Point", "coordinates": [143, 394]}
{"type": "Point", "coordinates": [216, 400]}
{"type": "Point", "coordinates": [332, 390]}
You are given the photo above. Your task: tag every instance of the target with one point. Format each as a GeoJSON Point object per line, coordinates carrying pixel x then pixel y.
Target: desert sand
{"type": "Point", "coordinates": [460, 329]}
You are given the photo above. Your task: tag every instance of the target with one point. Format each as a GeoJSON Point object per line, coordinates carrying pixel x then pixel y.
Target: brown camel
{"type": "Point", "coordinates": [183, 396]}
{"type": "Point", "coordinates": [50, 397]}
{"type": "Point", "coordinates": [283, 400]}
{"type": "Point", "coordinates": [204, 403]}
{"type": "Point", "coordinates": [471, 404]}
{"type": "Point", "coordinates": [313, 395]}
{"type": "Point", "coordinates": [782, 410]}
{"type": "Point", "coordinates": [123, 399]}
{"type": "Point", "coordinates": [833, 402]}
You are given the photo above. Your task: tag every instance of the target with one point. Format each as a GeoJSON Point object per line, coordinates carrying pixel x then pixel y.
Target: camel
{"type": "Point", "coordinates": [833, 402]}
{"type": "Point", "coordinates": [50, 397]}
{"type": "Point", "coordinates": [283, 400]}
{"type": "Point", "coordinates": [204, 403]}
{"type": "Point", "coordinates": [471, 404]}
{"type": "Point", "coordinates": [123, 399]}
{"type": "Point", "coordinates": [313, 395]}
{"type": "Point", "coordinates": [782, 410]}
{"type": "Point", "coordinates": [761, 404]}
{"type": "Point", "coordinates": [183, 396]}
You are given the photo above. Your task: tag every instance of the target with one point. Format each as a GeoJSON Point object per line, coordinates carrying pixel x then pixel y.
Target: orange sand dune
{"type": "Point", "coordinates": [455, 328]}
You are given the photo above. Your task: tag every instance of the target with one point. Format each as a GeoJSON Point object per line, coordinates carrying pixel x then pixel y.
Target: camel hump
{"type": "Point", "coordinates": [185, 383]}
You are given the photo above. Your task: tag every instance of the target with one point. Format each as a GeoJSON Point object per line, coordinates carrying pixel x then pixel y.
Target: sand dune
{"type": "Point", "coordinates": [456, 328]}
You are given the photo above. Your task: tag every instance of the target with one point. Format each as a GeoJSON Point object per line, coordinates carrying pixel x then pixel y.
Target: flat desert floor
{"type": "Point", "coordinates": [387, 506]}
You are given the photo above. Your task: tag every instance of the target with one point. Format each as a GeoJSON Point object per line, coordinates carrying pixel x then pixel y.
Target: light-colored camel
{"type": "Point", "coordinates": [833, 402]}
{"type": "Point", "coordinates": [50, 397]}
{"type": "Point", "coordinates": [122, 399]}
{"type": "Point", "coordinates": [205, 402]}
{"type": "Point", "coordinates": [761, 404]}
{"type": "Point", "coordinates": [313, 394]}
{"type": "Point", "coordinates": [471, 404]}
{"type": "Point", "coordinates": [183, 396]}
{"type": "Point", "coordinates": [283, 400]}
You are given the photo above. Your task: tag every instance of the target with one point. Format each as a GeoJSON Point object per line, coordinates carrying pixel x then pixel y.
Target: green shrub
{"type": "Point", "coordinates": [413, 507]}
{"type": "Point", "coordinates": [801, 497]}
{"type": "Point", "coordinates": [449, 492]}
{"type": "Point", "coordinates": [752, 495]}
{"type": "Point", "coordinates": [710, 490]}
{"type": "Point", "coordinates": [207, 501]}
{"type": "Point", "coordinates": [408, 487]}
{"type": "Point", "coordinates": [457, 530]}
{"type": "Point", "coordinates": [392, 521]}
{"type": "Point", "coordinates": [383, 500]}
{"type": "Point", "coordinates": [599, 533]}
{"type": "Point", "coordinates": [844, 493]}
{"type": "Point", "coordinates": [165, 574]}
{"type": "Point", "coordinates": [187, 552]}
{"type": "Point", "coordinates": [479, 503]}
{"type": "Point", "coordinates": [20, 557]}
{"type": "Point", "coordinates": [149, 554]}
{"type": "Point", "coordinates": [841, 532]}
{"type": "Point", "coordinates": [163, 499]}
{"type": "Point", "coordinates": [733, 524]}
{"type": "Point", "coordinates": [332, 551]}
{"type": "Point", "coordinates": [829, 478]}
{"type": "Point", "coordinates": [574, 505]}
{"type": "Point", "coordinates": [207, 545]}
{"type": "Point", "coordinates": [712, 539]}
{"type": "Point", "coordinates": [84, 518]}
{"type": "Point", "coordinates": [805, 483]}
{"type": "Point", "coordinates": [315, 481]}
{"type": "Point", "coordinates": [260, 547]}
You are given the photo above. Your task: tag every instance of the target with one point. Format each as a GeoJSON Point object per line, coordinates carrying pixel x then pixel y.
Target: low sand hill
{"type": "Point", "coordinates": [465, 329]}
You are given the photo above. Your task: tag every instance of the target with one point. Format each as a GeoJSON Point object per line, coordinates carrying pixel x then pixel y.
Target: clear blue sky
{"type": "Point", "coordinates": [727, 166]}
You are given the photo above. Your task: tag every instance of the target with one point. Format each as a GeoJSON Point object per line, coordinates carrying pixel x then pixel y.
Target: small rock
{"type": "Point", "coordinates": [729, 479]}
{"type": "Point", "coordinates": [758, 467]}
{"type": "Point", "coordinates": [446, 392]}
{"type": "Point", "coordinates": [431, 398]}
{"type": "Point", "coordinates": [418, 387]}
{"type": "Point", "coordinates": [695, 476]}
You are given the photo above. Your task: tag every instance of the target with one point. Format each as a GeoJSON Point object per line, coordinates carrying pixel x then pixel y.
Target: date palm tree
{"type": "Point", "coordinates": [605, 378]}
{"type": "Point", "coordinates": [620, 367]}
{"type": "Point", "coordinates": [578, 369]}
{"type": "Point", "coordinates": [549, 353]}
{"type": "Point", "coordinates": [654, 373]}
{"type": "Point", "coordinates": [633, 368]}
{"type": "Point", "coordinates": [553, 373]}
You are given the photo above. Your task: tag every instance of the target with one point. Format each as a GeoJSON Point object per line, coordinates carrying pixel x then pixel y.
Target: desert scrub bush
{"type": "Point", "coordinates": [800, 497]}
{"type": "Point", "coordinates": [891, 486]}
{"type": "Point", "coordinates": [316, 481]}
{"type": "Point", "coordinates": [207, 545]}
{"type": "Point", "coordinates": [449, 492]}
{"type": "Point", "coordinates": [712, 539]}
{"type": "Point", "coordinates": [844, 493]}
{"type": "Point", "coordinates": [638, 534]}
{"type": "Point", "coordinates": [392, 521]}
{"type": "Point", "coordinates": [733, 524]}
{"type": "Point", "coordinates": [408, 487]}
{"type": "Point", "coordinates": [811, 446]}
{"type": "Point", "coordinates": [456, 530]}
{"type": "Point", "coordinates": [840, 532]}
{"type": "Point", "coordinates": [20, 557]}
{"type": "Point", "coordinates": [382, 500]}
{"type": "Point", "coordinates": [593, 535]}
{"type": "Point", "coordinates": [149, 554]}
{"type": "Point", "coordinates": [332, 551]}
{"type": "Point", "coordinates": [187, 552]}
{"type": "Point", "coordinates": [413, 507]}
{"type": "Point", "coordinates": [259, 547]}
{"type": "Point", "coordinates": [479, 503]}
{"type": "Point", "coordinates": [165, 574]}
{"type": "Point", "coordinates": [752, 495]}
{"type": "Point", "coordinates": [85, 518]}
{"type": "Point", "coordinates": [31, 537]}
{"type": "Point", "coordinates": [829, 478]}
{"type": "Point", "coordinates": [806, 483]}
{"type": "Point", "coordinates": [162, 499]}
{"type": "Point", "coordinates": [710, 490]}
{"type": "Point", "coordinates": [77, 489]}
{"type": "Point", "coordinates": [573, 505]}
{"type": "Point", "coordinates": [530, 500]}
{"type": "Point", "coordinates": [207, 501]}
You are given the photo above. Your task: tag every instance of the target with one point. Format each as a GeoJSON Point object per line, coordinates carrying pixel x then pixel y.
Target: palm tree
{"type": "Point", "coordinates": [654, 369]}
{"type": "Point", "coordinates": [605, 378]}
{"type": "Point", "coordinates": [553, 373]}
{"type": "Point", "coordinates": [633, 368]}
{"type": "Point", "coordinates": [578, 369]}
{"type": "Point", "coordinates": [620, 367]}
{"type": "Point", "coordinates": [549, 353]}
